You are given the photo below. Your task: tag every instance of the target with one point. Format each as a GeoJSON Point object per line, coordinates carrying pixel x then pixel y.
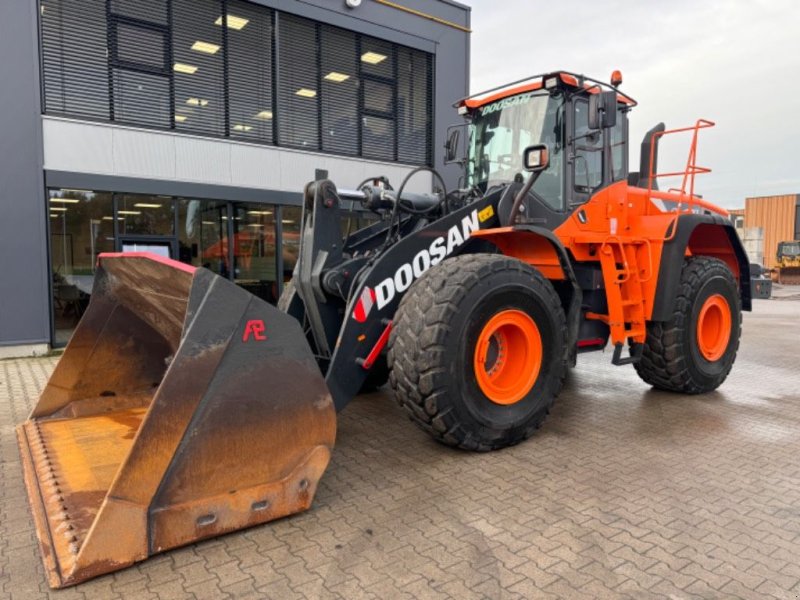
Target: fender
{"type": "Point", "coordinates": [543, 250]}
{"type": "Point", "coordinates": [695, 234]}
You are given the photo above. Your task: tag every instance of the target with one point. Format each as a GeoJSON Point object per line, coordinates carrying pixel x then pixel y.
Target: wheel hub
{"type": "Point", "coordinates": [508, 356]}
{"type": "Point", "coordinates": [714, 327]}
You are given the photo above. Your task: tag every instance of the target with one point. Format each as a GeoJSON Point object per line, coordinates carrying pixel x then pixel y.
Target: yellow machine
{"type": "Point", "coordinates": [789, 263]}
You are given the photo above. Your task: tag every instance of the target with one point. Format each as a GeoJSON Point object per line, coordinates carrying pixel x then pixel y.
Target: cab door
{"type": "Point", "coordinates": [586, 154]}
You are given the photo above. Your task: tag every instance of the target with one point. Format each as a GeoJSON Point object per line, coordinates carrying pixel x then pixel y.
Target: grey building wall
{"type": "Point", "coordinates": [24, 286]}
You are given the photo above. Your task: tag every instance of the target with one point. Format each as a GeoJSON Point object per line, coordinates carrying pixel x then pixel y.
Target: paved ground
{"type": "Point", "coordinates": [625, 492]}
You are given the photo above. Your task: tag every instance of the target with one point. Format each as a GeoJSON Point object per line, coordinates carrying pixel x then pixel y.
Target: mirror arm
{"type": "Point", "coordinates": [521, 196]}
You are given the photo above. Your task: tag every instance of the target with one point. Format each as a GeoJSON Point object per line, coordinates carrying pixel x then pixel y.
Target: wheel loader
{"type": "Point", "coordinates": [788, 268]}
{"type": "Point", "coordinates": [184, 407]}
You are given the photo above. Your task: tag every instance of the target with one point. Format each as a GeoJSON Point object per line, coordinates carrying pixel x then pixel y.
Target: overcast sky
{"type": "Point", "coordinates": [734, 62]}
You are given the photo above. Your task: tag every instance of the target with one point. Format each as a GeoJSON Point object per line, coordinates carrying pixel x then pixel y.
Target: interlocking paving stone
{"type": "Point", "coordinates": [625, 492]}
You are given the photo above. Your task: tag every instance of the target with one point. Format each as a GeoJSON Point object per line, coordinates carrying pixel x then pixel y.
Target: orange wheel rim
{"type": "Point", "coordinates": [508, 356]}
{"type": "Point", "coordinates": [714, 327]}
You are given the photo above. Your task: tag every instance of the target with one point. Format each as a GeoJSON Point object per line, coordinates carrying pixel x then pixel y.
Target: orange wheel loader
{"type": "Point", "coordinates": [184, 407]}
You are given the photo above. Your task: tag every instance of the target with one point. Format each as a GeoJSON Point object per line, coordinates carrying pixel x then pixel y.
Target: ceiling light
{"type": "Point", "coordinates": [208, 222]}
{"type": "Point", "coordinates": [58, 209]}
{"type": "Point", "coordinates": [254, 225]}
{"type": "Point", "coordinates": [52, 216]}
{"type": "Point", "coordinates": [196, 102]}
{"type": "Point", "coordinates": [111, 219]}
{"type": "Point", "coordinates": [306, 93]}
{"type": "Point", "coordinates": [287, 221]}
{"type": "Point", "coordinates": [184, 68]}
{"type": "Point", "coordinates": [146, 205]}
{"type": "Point", "coordinates": [233, 22]}
{"type": "Point", "coordinates": [259, 212]}
{"type": "Point", "coordinates": [337, 77]}
{"type": "Point", "coordinates": [264, 115]}
{"type": "Point", "coordinates": [372, 58]}
{"type": "Point", "coordinates": [65, 200]}
{"type": "Point", "coordinates": [129, 212]}
{"type": "Point", "coordinates": [180, 118]}
{"type": "Point", "coordinates": [206, 47]}
{"type": "Point", "coordinates": [239, 127]}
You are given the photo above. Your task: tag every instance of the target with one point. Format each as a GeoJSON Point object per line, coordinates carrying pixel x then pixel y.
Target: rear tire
{"type": "Point", "coordinates": [678, 356]}
{"type": "Point", "coordinates": [442, 337]}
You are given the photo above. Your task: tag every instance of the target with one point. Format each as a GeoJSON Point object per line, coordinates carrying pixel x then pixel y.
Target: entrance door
{"type": "Point", "coordinates": [146, 224]}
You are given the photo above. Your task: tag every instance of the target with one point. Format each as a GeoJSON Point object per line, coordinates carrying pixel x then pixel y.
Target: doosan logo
{"type": "Point", "coordinates": [439, 249]}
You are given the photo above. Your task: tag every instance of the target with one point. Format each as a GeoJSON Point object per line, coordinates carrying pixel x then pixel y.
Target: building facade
{"type": "Point", "coordinates": [777, 218]}
{"type": "Point", "coordinates": [189, 128]}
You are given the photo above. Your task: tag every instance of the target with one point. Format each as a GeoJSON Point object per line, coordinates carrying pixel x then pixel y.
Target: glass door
{"type": "Point", "coordinates": [146, 223]}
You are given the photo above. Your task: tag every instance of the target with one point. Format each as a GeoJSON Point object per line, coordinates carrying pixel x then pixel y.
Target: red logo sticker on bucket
{"type": "Point", "coordinates": [364, 305]}
{"type": "Point", "coordinates": [256, 328]}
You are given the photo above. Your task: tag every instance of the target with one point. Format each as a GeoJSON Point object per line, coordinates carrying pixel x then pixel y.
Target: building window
{"type": "Point", "coordinates": [238, 241]}
{"type": "Point", "coordinates": [291, 221]}
{"type": "Point", "coordinates": [74, 57]}
{"type": "Point", "coordinates": [198, 57]}
{"type": "Point", "coordinates": [250, 76]}
{"type": "Point", "coordinates": [223, 68]}
{"type": "Point", "coordinates": [81, 227]}
{"type": "Point", "coordinates": [139, 64]}
{"type": "Point", "coordinates": [254, 250]}
{"type": "Point", "coordinates": [298, 92]}
{"type": "Point", "coordinates": [203, 235]}
{"type": "Point", "coordinates": [339, 89]}
{"type": "Point", "coordinates": [145, 215]}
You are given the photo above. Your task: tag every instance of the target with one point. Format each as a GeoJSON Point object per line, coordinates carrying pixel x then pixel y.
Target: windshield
{"type": "Point", "coordinates": [500, 131]}
{"type": "Point", "coordinates": [791, 249]}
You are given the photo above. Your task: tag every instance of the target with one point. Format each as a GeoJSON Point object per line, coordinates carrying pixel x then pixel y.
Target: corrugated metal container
{"type": "Point", "coordinates": [776, 216]}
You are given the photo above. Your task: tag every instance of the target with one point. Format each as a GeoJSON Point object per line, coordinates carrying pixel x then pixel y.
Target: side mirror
{"type": "Point", "coordinates": [603, 110]}
{"type": "Point", "coordinates": [451, 146]}
{"type": "Point", "coordinates": [536, 158]}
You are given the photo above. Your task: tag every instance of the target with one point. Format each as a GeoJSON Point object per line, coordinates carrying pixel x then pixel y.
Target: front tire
{"type": "Point", "coordinates": [478, 351]}
{"type": "Point", "coordinates": [694, 351]}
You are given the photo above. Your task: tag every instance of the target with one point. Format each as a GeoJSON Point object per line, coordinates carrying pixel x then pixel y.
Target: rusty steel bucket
{"type": "Point", "coordinates": [183, 408]}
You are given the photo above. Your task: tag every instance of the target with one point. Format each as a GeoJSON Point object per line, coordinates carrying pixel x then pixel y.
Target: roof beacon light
{"type": "Point", "coordinates": [616, 78]}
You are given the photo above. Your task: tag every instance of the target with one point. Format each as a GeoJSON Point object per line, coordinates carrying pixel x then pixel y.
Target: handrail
{"type": "Point", "coordinates": [692, 168]}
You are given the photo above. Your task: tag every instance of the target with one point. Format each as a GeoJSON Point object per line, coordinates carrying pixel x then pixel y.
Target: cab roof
{"type": "Point", "coordinates": [537, 82]}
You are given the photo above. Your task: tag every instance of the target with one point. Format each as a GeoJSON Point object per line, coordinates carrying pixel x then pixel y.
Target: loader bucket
{"type": "Point", "coordinates": [789, 276]}
{"type": "Point", "coordinates": [183, 408]}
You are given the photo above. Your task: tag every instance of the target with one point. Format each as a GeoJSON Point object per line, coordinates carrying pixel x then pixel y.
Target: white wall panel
{"type": "Point", "coordinates": [73, 147]}
{"type": "Point", "coordinates": [202, 160]}
{"type": "Point", "coordinates": [81, 147]}
{"type": "Point", "coordinates": [143, 154]}
{"type": "Point", "coordinates": [255, 167]}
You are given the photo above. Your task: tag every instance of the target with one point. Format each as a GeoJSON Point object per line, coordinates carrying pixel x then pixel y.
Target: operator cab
{"type": "Point", "coordinates": [788, 250]}
{"type": "Point", "coordinates": [553, 110]}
